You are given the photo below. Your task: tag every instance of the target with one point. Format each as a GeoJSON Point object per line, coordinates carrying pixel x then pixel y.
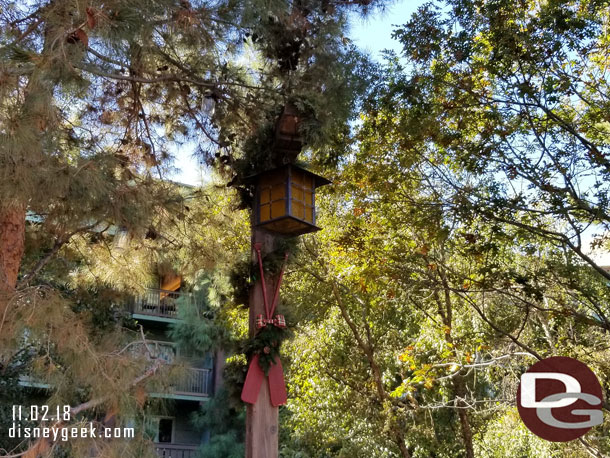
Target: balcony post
{"type": "Point", "coordinates": [262, 423]}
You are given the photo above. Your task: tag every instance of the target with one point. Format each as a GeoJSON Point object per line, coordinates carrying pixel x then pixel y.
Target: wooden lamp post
{"type": "Point", "coordinates": [284, 206]}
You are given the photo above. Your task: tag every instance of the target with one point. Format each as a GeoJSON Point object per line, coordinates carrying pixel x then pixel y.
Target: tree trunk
{"type": "Point", "coordinates": [366, 347]}
{"type": "Point", "coordinates": [445, 310]}
{"type": "Point", "coordinates": [460, 392]}
{"type": "Point", "coordinates": [404, 451]}
{"type": "Point", "coordinates": [12, 243]}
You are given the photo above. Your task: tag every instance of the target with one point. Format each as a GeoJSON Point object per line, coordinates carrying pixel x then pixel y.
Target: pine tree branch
{"type": "Point", "coordinates": [28, 17]}
{"type": "Point", "coordinates": [166, 78]}
{"type": "Point", "coordinates": [31, 28]}
{"type": "Point", "coordinates": [110, 60]}
{"type": "Point", "coordinates": [59, 243]}
{"type": "Point", "coordinates": [199, 123]}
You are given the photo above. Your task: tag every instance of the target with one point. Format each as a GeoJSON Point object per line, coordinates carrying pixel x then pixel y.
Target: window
{"type": "Point", "coordinates": [160, 428]}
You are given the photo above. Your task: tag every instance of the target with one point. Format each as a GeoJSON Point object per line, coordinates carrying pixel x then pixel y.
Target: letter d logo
{"type": "Point", "coordinates": [528, 389]}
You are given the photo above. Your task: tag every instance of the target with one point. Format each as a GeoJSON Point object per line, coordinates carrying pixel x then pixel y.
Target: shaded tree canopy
{"type": "Point", "coordinates": [515, 94]}
{"type": "Point", "coordinates": [95, 98]}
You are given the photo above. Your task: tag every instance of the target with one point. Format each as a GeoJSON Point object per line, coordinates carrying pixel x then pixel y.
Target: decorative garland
{"type": "Point", "coordinates": [266, 344]}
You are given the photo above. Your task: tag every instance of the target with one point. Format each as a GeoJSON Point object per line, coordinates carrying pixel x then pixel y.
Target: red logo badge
{"type": "Point", "coordinates": [560, 399]}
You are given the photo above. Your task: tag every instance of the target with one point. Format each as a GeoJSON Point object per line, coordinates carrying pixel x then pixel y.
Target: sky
{"type": "Point", "coordinates": [374, 34]}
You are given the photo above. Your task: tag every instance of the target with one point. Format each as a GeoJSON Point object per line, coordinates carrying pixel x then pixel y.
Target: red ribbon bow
{"type": "Point", "coordinates": [278, 321]}
{"type": "Point", "coordinates": [256, 376]}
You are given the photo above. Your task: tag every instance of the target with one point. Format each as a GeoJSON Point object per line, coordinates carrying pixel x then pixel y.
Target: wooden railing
{"type": "Point", "coordinates": [159, 302]}
{"type": "Point", "coordinates": [176, 451]}
{"type": "Point", "coordinates": [195, 382]}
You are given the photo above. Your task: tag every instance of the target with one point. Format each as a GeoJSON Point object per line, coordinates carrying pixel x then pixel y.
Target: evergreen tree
{"type": "Point", "coordinates": [94, 96]}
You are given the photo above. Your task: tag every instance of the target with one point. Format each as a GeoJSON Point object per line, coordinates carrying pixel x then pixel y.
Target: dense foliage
{"type": "Point", "coordinates": [456, 248]}
{"type": "Point", "coordinates": [457, 239]}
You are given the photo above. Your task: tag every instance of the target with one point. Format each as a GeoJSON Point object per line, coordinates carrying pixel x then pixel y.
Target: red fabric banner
{"type": "Point", "coordinates": [255, 378]}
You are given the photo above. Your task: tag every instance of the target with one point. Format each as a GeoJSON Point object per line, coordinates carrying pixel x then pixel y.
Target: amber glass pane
{"type": "Point", "coordinates": [265, 212]}
{"type": "Point", "coordinates": [298, 210]}
{"type": "Point", "coordinates": [278, 192]}
{"type": "Point", "coordinates": [278, 208]}
{"type": "Point", "coordinates": [265, 194]}
{"type": "Point", "coordinates": [309, 197]}
{"type": "Point", "coordinates": [309, 214]}
{"type": "Point", "coordinates": [297, 193]}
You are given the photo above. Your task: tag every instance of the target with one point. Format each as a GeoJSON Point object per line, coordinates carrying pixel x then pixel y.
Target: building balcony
{"type": "Point", "coordinates": [176, 450]}
{"type": "Point", "coordinates": [159, 305]}
{"type": "Point", "coordinates": [195, 384]}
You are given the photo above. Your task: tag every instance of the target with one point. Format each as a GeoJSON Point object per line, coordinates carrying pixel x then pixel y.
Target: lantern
{"type": "Point", "coordinates": [285, 200]}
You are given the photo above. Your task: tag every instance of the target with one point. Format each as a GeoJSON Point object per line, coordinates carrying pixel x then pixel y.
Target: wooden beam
{"type": "Point", "coordinates": [262, 423]}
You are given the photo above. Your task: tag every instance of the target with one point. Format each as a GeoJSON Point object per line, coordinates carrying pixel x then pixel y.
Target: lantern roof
{"type": "Point", "coordinates": [318, 179]}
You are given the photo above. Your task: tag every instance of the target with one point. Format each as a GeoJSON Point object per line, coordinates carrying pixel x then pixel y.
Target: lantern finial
{"type": "Point", "coordinates": [288, 141]}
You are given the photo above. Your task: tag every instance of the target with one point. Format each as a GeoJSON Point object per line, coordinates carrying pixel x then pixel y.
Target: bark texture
{"type": "Point", "coordinates": [12, 243]}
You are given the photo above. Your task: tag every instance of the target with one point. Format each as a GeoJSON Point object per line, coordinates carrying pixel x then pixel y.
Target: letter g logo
{"type": "Point", "coordinates": [559, 399]}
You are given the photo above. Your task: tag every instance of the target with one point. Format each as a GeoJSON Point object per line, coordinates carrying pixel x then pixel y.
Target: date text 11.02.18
{"type": "Point", "coordinates": [41, 413]}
